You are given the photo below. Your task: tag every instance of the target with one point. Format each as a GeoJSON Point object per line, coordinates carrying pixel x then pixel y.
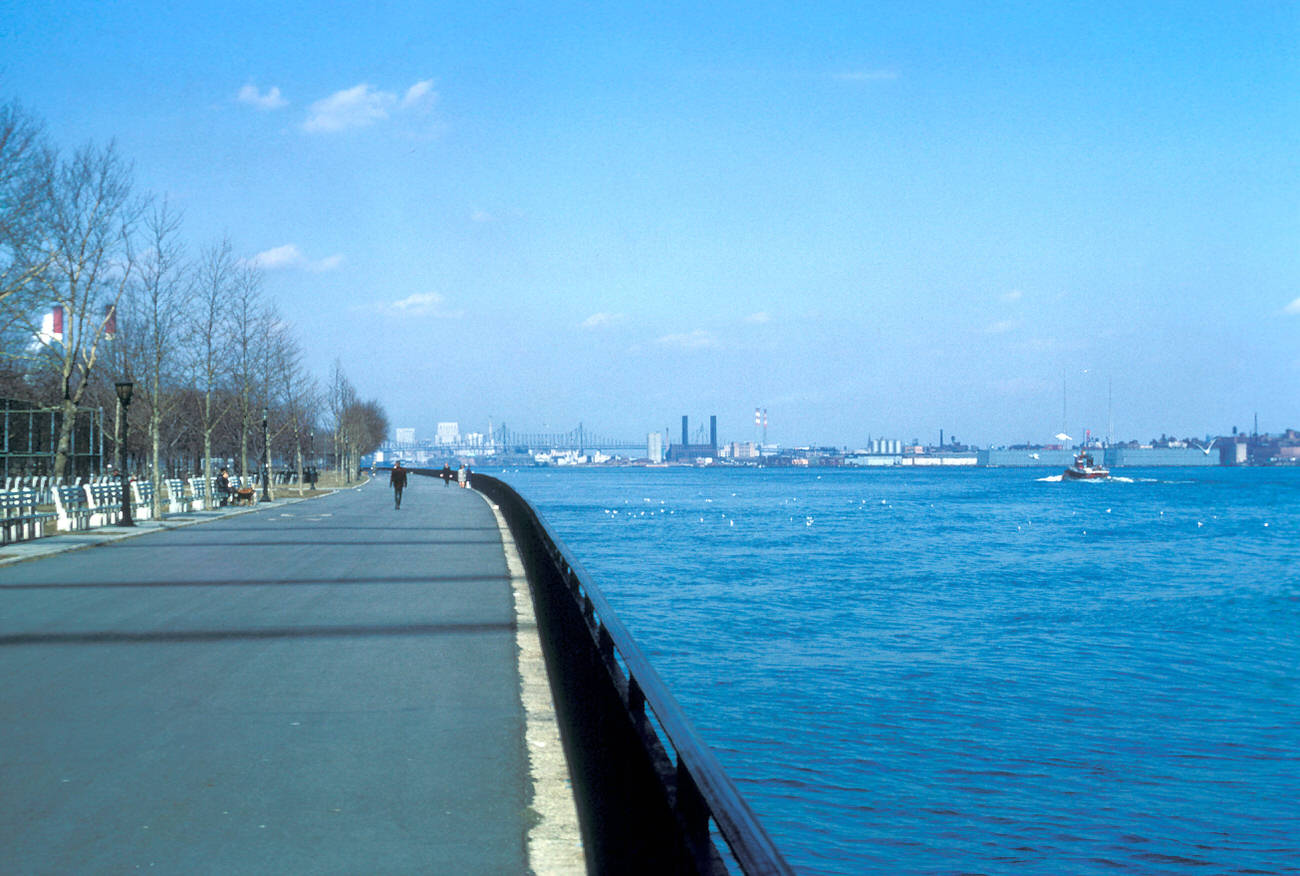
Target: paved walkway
{"type": "Point", "coordinates": [328, 686]}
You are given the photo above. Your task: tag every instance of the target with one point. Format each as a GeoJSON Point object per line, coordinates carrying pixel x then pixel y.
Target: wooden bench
{"type": "Point", "coordinates": [20, 517]}
{"type": "Point", "coordinates": [72, 507]}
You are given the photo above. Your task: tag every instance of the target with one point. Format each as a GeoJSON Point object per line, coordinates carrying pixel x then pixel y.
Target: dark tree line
{"type": "Point", "coordinates": [99, 286]}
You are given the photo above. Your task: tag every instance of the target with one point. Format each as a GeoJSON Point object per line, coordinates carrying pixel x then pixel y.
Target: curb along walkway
{"type": "Point", "coordinates": [324, 686]}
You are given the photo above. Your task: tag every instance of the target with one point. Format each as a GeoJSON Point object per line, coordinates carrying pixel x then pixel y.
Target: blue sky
{"type": "Point", "coordinates": [871, 219]}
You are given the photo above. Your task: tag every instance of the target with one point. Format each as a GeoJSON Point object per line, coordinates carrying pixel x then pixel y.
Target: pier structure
{"type": "Point", "coordinates": [335, 685]}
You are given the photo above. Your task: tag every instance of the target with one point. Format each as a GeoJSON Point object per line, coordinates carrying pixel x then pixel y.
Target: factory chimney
{"type": "Point", "coordinates": [686, 438]}
{"type": "Point", "coordinates": [713, 431]}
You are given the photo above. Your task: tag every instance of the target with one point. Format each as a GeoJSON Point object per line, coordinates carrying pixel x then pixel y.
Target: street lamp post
{"type": "Point", "coordinates": [266, 456]}
{"type": "Point", "coordinates": [124, 399]}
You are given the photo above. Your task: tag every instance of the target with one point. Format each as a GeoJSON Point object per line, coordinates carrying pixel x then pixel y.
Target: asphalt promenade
{"type": "Point", "coordinates": [323, 686]}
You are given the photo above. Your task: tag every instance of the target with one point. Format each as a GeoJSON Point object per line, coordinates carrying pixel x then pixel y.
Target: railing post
{"type": "Point", "coordinates": [635, 699]}
{"type": "Point", "coordinates": [692, 810]}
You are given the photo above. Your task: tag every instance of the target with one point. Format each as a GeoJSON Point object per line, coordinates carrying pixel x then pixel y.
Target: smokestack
{"type": "Point", "coordinates": [686, 438]}
{"type": "Point", "coordinates": [713, 431]}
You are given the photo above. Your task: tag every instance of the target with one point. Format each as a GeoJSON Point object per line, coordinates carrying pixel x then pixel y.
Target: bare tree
{"type": "Point", "coordinates": [297, 393]}
{"type": "Point", "coordinates": [271, 332]}
{"type": "Point", "coordinates": [91, 216]}
{"type": "Point", "coordinates": [25, 168]}
{"type": "Point", "coordinates": [153, 321]}
{"type": "Point", "coordinates": [340, 398]}
{"type": "Point", "coordinates": [209, 341]}
{"type": "Point", "coordinates": [363, 426]}
{"type": "Point", "coordinates": [248, 336]}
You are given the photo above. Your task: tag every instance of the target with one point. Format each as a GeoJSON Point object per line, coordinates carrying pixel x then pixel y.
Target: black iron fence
{"type": "Point", "coordinates": [29, 435]}
{"type": "Point", "coordinates": [652, 797]}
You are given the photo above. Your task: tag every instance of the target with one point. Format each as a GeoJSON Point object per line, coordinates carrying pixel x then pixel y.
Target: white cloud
{"type": "Point", "coordinates": [1293, 307]}
{"type": "Point", "coordinates": [696, 340]}
{"type": "Point", "coordinates": [602, 320]}
{"type": "Point", "coordinates": [354, 107]}
{"type": "Point", "coordinates": [759, 318]}
{"type": "Point", "coordinates": [420, 95]}
{"type": "Point", "coordinates": [420, 304]}
{"type": "Point", "coordinates": [250, 95]}
{"type": "Point", "coordinates": [290, 256]}
{"type": "Point", "coordinates": [1013, 295]}
{"type": "Point", "coordinates": [277, 257]}
{"type": "Point", "coordinates": [363, 105]}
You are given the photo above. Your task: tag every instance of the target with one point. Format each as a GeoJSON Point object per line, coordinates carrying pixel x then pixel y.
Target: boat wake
{"type": "Point", "coordinates": [1111, 479]}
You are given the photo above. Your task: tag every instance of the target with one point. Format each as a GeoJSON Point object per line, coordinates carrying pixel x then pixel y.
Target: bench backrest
{"type": "Point", "coordinates": [17, 500]}
{"type": "Point", "coordinates": [106, 494]}
{"type": "Point", "coordinates": [71, 495]}
{"type": "Point", "coordinates": [175, 488]}
{"type": "Point", "coordinates": [198, 488]}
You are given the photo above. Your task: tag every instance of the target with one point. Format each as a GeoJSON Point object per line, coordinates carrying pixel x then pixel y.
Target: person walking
{"type": "Point", "coordinates": [446, 475]}
{"type": "Point", "coordinates": [397, 480]}
{"type": "Point", "coordinates": [460, 475]}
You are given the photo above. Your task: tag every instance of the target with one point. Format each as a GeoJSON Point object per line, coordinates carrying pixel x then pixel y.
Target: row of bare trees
{"type": "Point", "coordinates": [98, 286]}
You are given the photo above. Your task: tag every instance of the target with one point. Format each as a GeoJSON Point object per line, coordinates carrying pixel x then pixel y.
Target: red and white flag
{"type": "Point", "coordinates": [52, 326]}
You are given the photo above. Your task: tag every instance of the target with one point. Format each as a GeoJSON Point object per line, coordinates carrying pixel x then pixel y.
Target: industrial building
{"type": "Point", "coordinates": [693, 453]}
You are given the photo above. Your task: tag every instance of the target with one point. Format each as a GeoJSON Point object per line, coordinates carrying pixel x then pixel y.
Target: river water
{"type": "Point", "coordinates": [977, 671]}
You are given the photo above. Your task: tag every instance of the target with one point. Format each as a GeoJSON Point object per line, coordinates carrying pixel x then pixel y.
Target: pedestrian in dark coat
{"type": "Point", "coordinates": [397, 480]}
{"type": "Point", "coordinates": [223, 486]}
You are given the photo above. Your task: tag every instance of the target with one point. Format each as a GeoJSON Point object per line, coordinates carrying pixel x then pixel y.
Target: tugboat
{"type": "Point", "coordinates": [1084, 469]}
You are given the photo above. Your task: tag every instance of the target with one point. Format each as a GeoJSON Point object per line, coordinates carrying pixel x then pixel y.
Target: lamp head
{"type": "Point", "coordinates": [124, 390]}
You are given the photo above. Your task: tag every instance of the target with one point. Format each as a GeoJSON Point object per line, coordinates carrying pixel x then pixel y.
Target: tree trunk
{"type": "Point", "coordinates": [243, 445]}
{"type": "Point", "coordinates": [207, 467]}
{"type": "Point", "coordinates": [63, 448]}
{"type": "Point", "coordinates": [155, 454]}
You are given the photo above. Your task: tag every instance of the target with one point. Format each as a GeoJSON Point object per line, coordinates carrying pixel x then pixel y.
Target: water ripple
{"type": "Point", "coordinates": [914, 672]}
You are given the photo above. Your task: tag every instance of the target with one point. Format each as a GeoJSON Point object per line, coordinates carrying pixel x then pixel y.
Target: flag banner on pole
{"type": "Point", "coordinates": [51, 327]}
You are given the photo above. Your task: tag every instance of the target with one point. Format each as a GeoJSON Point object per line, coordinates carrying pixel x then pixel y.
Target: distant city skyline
{"type": "Point", "coordinates": [870, 220]}
{"type": "Point", "coordinates": [450, 433]}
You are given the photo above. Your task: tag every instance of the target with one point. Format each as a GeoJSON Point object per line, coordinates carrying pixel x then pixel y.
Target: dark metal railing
{"type": "Point", "coordinates": [652, 796]}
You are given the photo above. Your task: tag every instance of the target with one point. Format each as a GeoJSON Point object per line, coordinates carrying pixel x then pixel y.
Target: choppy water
{"type": "Point", "coordinates": [974, 671]}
